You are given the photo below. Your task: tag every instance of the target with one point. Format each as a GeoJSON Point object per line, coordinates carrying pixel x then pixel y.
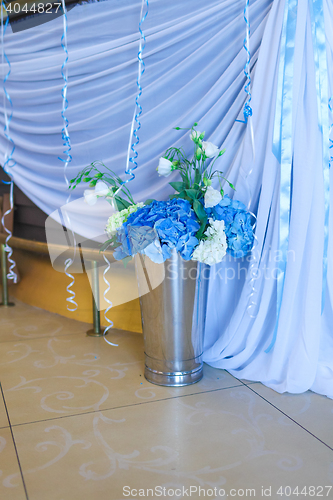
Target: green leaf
{"type": "Point", "coordinates": [178, 186]}
{"type": "Point", "coordinates": [192, 193]}
{"type": "Point", "coordinates": [126, 260]}
{"type": "Point", "coordinates": [107, 243]}
{"type": "Point", "coordinates": [183, 195]}
{"type": "Point", "coordinates": [199, 210]}
{"type": "Point", "coordinates": [148, 202]}
{"type": "Point", "coordinates": [121, 203]}
{"type": "Point", "coordinates": [202, 229]}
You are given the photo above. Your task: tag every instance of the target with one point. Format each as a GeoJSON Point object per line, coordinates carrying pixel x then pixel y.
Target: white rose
{"type": "Point", "coordinates": [212, 197]}
{"type": "Point", "coordinates": [164, 167]}
{"type": "Point", "coordinates": [210, 149]}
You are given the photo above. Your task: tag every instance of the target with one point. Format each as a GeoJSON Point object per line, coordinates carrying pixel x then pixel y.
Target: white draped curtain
{"type": "Point", "coordinates": [194, 60]}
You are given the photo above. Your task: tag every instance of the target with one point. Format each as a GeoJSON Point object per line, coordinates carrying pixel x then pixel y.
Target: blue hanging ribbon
{"type": "Point", "coordinates": [138, 107]}
{"type": "Point", "coordinates": [8, 158]}
{"type": "Point", "coordinates": [282, 134]}
{"type": "Point", "coordinates": [71, 303]}
{"type": "Point", "coordinates": [64, 74]}
{"type": "Point", "coordinates": [247, 111]}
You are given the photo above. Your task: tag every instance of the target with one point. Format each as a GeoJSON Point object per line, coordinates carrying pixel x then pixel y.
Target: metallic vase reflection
{"type": "Point", "coordinates": [173, 299]}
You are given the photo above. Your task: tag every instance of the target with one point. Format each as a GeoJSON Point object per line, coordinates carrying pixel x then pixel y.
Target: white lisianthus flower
{"type": "Point", "coordinates": [195, 135]}
{"type": "Point", "coordinates": [212, 197]}
{"type": "Point", "coordinates": [118, 218]}
{"type": "Point", "coordinates": [101, 189]}
{"type": "Point", "coordinates": [164, 167]}
{"type": "Point", "coordinates": [91, 195]}
{"type": "Point", "coordinates": [213, 249]}
{"type": "Point", "coordinates": [210, 149]}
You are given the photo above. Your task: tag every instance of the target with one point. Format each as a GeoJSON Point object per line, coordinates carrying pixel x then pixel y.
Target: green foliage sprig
{"type": "Point", "coordinates": [92, 174]}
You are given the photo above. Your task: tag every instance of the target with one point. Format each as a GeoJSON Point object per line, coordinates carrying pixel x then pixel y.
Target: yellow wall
{"type": "Point", "coordinates": [42, 286]}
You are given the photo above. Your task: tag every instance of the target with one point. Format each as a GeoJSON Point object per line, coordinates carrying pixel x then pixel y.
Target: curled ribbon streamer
{"type": "Point", "coordinates": [247, 111]}
{"type": "Point", "coordinates": [138, 107]}
{"type": "Point", "coordinates": [131, 147]}
{"type": "Point", "coordinates": [71, 298]}
{"type": "Point", "coordinates": [247, 106]}
{"type": "Point", "coordinates": [8, 158]}
{"type": "Point", "coordinates": [67, 143]}
{"type": "Point", "coordinates": [252, 268]}
{"type": "Point", "coordinates": [107, 300]}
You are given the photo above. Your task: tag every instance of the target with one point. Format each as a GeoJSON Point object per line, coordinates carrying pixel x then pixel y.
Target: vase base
{"type": "Point", "coordinates": [176, 379]}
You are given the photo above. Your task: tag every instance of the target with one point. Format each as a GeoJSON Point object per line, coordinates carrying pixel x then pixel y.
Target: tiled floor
{"type": "Point", "coordinates": [78, 421]}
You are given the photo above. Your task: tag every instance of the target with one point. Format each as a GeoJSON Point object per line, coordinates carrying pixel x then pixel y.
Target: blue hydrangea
{"type": "Point", "coordinates": [238, 225]}
{"type": "Point", "coordinates": [173, 222]}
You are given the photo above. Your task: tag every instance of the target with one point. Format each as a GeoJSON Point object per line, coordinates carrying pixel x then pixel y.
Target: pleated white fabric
{"type": "Point", "coordinates": [238, 331]}
{"type": "Point", "coordinates": [194, 60]}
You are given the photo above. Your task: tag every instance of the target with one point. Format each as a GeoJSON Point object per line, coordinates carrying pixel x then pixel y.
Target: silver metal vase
{"type": "Point", "coordinates": [173, 299]}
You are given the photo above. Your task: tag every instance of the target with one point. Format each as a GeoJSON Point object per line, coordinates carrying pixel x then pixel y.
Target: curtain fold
{"type": "Point", "coordinates": [236, 339]}
{"type": "Point", "coordinates": [194, 60]}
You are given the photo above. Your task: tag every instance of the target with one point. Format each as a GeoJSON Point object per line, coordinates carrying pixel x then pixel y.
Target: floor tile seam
{"type": "Point", "coordinates": [295, 421]}
{"type": "Point", "coordinates": [125, 406]}
{"type": "Point", "coordinates": [14, 444]}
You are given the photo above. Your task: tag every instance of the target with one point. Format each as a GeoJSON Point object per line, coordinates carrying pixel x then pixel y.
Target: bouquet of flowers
{"type": "Point", "coordinates": [200, 222]}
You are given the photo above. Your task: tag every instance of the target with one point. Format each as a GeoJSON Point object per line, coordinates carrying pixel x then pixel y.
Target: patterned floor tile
{"type": "Point", "coordinates": [11, 485]}
{"type": "Point", "coordinates": [23, 322]}
{"type": "Point", "coordinates": [312, 411]}
{"type": "Point", "coordinates": [3, 414]}
{"type": "Point", "coordinates": [52, 377]}
{"type": "Point", "coordinates": [230, 439]}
